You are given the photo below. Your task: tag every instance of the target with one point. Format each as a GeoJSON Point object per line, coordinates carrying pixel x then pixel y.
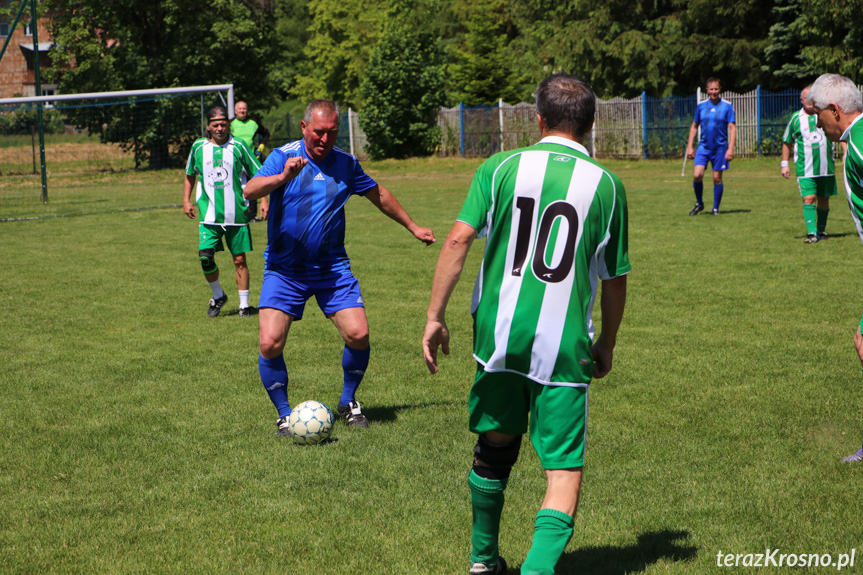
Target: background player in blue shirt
{"type": "Point", "coordinates": [309, 182]}
{"type": "Point", "coordinates": [718, 134]}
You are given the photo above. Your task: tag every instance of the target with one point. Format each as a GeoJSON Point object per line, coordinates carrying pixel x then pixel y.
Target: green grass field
{"type": "Point", "coordinates": [136, 436]}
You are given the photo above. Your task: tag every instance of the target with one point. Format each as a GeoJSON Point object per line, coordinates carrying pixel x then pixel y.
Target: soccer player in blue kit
{"type": "Point", "coordinates": [718, 134]}
{"type": "Point", "coordinates": [308, 182]}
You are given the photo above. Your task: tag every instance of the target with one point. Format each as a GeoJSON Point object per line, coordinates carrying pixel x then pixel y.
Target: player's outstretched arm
{"type": "Point", "coordinates": [188, 206]}
{"type": "Point", "coordinates": [387, 203]}
{"type": "Point", "coordinates": [612, 304]}
{"type": "Point", "coordinates": [260, 186]}
{"type": "Point", "coordinates": [449, 266]}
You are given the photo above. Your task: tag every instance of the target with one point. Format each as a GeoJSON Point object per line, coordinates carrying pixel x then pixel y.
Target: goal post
{"type": "Point", "coordinates": [91, 136]}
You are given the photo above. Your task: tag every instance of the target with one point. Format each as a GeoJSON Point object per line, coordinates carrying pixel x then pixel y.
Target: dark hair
{"type": "Point", "coordinates": [214, 113]}
{"type": "Point", "coordinates": [324, 105]}
{"type": "Point", "coordinates": [566, 104]}
{"type": "Point", "coordinates": [711, 80]}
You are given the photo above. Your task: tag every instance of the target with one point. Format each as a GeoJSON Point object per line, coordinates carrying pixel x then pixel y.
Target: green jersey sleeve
{"type": "Point", "coordinates": [249, 161]}
{"type": "Point", "coordinates": [789, 136]}
{"type": "Point", "coordinates": [614, 259]}
{"type": "Point", "coordinates": [479, 201]}
{"type": "Point", "coordinates": [192, 164]}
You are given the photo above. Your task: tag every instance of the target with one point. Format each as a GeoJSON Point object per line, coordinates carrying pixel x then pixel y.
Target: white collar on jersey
{"type": "Point", "coordinates": [847, 133]}
{"type": "Point", "coordinates": [565, 142]}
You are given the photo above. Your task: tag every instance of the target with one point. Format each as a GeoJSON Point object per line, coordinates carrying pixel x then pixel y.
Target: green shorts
{"type": "Point", "coordinates": [238, 238]}
{"type": "Point", "coordinates": [556, 415]}
{"type": "Point", "coordinates": [823, 187]}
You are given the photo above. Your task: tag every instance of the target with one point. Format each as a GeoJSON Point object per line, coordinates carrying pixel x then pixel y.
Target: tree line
{"type": "Point", "coordinates": [397, 61]}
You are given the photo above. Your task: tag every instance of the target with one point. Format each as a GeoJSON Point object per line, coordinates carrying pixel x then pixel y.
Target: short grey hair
{"type": "Point", "coordinates": [835, 89]}
{"type": "Point", "coordinates": [322, 105]}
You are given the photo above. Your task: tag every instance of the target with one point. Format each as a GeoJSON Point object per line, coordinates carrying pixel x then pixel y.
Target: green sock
{"type": "Point", "coordinates": [822, 220]}
{"type": "Point", "coordinates": [553, 531]}
{"type": "Point", "coordinates": [809, 215]}
{"type": "Point", "coordinates": [486, 497]}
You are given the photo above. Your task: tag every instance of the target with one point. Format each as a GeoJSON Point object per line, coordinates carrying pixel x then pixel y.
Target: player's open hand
{"type": "Point", "coordinates": [602, 357]}
{"type": "Point", "coordinates": [189, 210]}
{"type": "Point", "coordinates": [293, 167]}
{"type": "Point", "coordinates": [425, 235]}
{"type": "Point", "coordinates": [436, 335]}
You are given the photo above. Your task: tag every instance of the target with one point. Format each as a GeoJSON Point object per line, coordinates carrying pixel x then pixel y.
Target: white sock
{"type": "Point", "coordinates": [217, 289]}
{"type": "Point", "coordinates": [244, 298]}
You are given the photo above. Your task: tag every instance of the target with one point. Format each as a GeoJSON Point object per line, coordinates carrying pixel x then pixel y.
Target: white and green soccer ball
{"type": "Point", "coordinates": [310, 422]}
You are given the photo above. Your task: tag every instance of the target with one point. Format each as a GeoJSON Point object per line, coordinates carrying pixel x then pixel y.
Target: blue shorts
{"type": "Point", "coordinates": [717, 158]}
{"type": "Point", "coordinates": [290, 296]}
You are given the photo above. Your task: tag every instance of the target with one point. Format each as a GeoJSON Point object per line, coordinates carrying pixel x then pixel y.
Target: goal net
{"type": "Point", "coordinates": [106, 151]}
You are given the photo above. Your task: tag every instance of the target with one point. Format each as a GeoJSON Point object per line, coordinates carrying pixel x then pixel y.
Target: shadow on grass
{"type": "Point", "coordinates": [609, 560]}
{"type": "Point", "coordinates": [388, 414]}
{"type": "Point", "coordinates": [843, 235]}
{"type": "Point", "coordinates": [726, 212]}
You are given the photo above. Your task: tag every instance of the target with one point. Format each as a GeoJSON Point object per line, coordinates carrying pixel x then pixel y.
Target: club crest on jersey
{"type": "Point", "coordinates": [320, 177]}
{"type": "Point", "coordinates": [814, 137]}
{"type": "Point", "coordinates": [584, 361]}
{"type": "Point", "coordinates": [217, 174]}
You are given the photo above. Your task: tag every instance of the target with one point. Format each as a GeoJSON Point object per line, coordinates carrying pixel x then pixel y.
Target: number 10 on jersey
{"type": "Point", "coordinates": [539, 265]}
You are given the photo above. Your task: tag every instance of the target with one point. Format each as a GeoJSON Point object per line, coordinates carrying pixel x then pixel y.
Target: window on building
{"type": "Point", "coordinates": [4, 28]}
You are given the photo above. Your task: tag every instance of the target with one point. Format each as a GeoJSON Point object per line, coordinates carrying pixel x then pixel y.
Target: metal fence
{"type": "Point", "coordinates": [641, 127]}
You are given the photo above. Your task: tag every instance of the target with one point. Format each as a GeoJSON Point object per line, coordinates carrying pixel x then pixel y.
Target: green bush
{"type": "Point", "coordinates": [401, 93]}
{"type": "Point", "coordinates": [25, 120]}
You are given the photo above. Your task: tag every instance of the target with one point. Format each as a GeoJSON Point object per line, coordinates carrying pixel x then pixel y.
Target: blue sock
{"type": "Point", "coordinates": [274, 376]}
{"type": "Point", "coordinates": [717, 195]}
{"type": "Point", "coordinates": [699, 191]}
{"type": "Point", "coordinates": [354, 364]}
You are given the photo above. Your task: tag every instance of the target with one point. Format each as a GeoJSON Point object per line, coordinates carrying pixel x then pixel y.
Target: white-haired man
{"type": "Point", "coordinates": [839, 106]}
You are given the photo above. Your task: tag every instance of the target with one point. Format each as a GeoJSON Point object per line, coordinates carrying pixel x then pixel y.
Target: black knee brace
{"type": "Point", "coordinates": [208, 261]}
{"type": "Point", "coordinates": [497, 460]}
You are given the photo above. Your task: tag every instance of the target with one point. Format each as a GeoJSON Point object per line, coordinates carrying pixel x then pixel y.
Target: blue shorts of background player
{"type": "Point", "coordinates": [717, 159]}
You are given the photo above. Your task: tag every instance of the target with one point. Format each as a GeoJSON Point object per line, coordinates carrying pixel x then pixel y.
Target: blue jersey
{"type": "Point", "coordinates": [714, 120]}
{"type": "Point", "coordinates": [306, 221]}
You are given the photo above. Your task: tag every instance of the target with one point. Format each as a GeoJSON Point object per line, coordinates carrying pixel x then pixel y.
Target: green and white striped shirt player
{"type": "Point", "coordinates": [222, 174]}
{"type": "Point", "coordinates": [813, 152]}
{"type": "Point", "coordinates": [555, 221]}
{"type": "Point", "coordinates": [854, 171]}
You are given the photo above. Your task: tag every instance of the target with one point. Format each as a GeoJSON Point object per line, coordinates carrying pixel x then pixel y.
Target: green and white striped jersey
{"type": "Point", "coordinates": [813, 152]}
{"type": "Point", "coordinates": [555, 221]}
{"type": "Point", "coordinates": [854, 171]}
{"type": "Point", "coordinates": [222, 174]}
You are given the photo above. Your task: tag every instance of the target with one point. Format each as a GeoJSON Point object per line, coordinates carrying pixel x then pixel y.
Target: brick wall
{"type": "Point", "coordinates": [16, 79]}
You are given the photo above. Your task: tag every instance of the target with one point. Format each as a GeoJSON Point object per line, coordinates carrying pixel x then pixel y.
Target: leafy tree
{"type": "Point", "coordinates": [663, 47]}
{"type": "Point", "coordinates": [402, 91]}
{"type": "Point", "coordinates": [341, 36]}
{"type": "Point", "coordinates": [292, 21]}
{"type": "Point", "coordinates": [480, 71]}
{"type": "Point", "coordinates": [127, 45]}
{"type": "Point", "coordinates": [813, 37]}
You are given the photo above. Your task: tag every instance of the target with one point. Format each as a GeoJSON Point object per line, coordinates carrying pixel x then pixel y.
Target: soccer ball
{"type": "Point", "coordinates": [310, 422]}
